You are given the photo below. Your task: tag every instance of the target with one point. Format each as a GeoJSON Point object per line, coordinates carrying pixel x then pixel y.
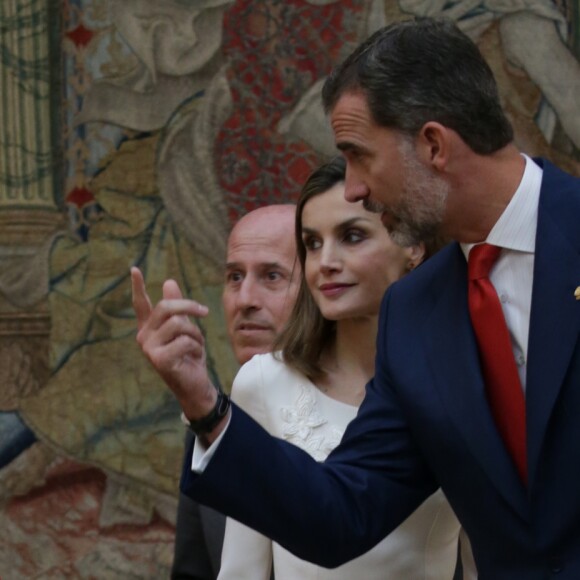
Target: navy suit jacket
{"type": "Point", "coordinates": [425, 422]}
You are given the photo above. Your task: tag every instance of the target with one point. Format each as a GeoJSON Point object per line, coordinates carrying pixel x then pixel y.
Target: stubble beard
{"type": "Point", "coordinates": [419, 215]}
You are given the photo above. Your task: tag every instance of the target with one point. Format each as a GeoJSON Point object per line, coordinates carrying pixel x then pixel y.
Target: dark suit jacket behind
{"type": "Point", "coordinates": [199, 537]}
{"type": "Point", "coordinates": [425, 422]}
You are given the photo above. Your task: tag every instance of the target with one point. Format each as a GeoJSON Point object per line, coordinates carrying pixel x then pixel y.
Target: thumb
{"type": "Point", "coordinates": [171, 290]}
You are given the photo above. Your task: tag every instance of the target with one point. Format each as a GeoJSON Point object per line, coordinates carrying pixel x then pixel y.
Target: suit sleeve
{"type": "Point", "coordinates": [325, 513]}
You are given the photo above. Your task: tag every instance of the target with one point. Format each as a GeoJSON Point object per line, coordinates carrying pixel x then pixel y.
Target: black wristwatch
{"type": "Point", "coordinates": [208, 423]}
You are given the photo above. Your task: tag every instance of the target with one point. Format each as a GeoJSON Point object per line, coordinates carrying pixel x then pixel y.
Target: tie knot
{"type": "Point", "coordinates": [482, 257]}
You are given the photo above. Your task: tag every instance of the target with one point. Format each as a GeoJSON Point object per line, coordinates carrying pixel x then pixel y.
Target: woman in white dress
{"type": "Point", "coordinates": [328, 349]}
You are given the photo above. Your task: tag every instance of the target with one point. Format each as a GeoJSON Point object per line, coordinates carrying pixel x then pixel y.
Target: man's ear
{"type": "Point", "coordinates": [415, 255]}
{"type": "Point", "coordinates": [434, 145]}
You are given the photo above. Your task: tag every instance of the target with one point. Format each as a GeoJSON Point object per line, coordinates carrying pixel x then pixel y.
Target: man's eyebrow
{"type": "Point", "coordinates": [261, 266]}
{"type": "Point", "coordinates": [233, 266]}
{"type": "Point", "coordinates": [350, 147]}
{"type": "Point", "coordinates": [272, 266]}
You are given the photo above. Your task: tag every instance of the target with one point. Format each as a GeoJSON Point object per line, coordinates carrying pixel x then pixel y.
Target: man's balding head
{"type": "Point", "coordinates": [261, 284]}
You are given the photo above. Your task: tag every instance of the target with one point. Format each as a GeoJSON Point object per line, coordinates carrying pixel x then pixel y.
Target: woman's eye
{"type": "Point", "coordinates": [353, 236]}
{"type": "Point", "coordinates": [312, 244]}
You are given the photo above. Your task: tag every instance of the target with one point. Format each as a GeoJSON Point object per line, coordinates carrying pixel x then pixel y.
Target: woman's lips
{"type": "Point", "coordinates": [334, 289]}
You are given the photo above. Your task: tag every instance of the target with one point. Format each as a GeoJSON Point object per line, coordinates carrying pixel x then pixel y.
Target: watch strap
{"type": "Point", "coordinates": [208, 423]}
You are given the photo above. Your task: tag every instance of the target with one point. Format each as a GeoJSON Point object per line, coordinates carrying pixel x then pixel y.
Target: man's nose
{"type": "Point", "coordinates": [354, 188]}
{"type": "Point", "coordinates": [249, 294]}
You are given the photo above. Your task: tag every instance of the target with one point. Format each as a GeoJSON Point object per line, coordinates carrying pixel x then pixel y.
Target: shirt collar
{"type": "Point", "coordinates": [516, 227]}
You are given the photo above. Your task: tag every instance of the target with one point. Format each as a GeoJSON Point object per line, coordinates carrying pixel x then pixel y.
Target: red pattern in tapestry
{"type": "Point", "coordinates": [277, 50]}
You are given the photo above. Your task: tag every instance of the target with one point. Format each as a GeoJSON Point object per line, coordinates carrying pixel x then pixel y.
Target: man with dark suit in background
{"type": "Point", "coordinates": [259, 291]}
{"type": "Point", "coordinates": [491, 413]}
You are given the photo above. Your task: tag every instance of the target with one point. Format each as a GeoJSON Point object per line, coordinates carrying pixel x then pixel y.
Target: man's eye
{"type": "Point", "coordinates": [234, 277]}
{"type": "Point", "coordinates": [273, 276]}
{"type": "Point", "coordinates": [354, 155]}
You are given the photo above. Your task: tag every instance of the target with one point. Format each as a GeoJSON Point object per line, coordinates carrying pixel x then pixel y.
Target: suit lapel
{"type": "Point", "coordinates": [452, 351]}
{"type": "Point", "coordinates": [555, 315]}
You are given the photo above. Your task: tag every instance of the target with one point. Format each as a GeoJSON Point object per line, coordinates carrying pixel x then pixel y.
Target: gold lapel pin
{"type": "Point", "coordinates": [577, 293]}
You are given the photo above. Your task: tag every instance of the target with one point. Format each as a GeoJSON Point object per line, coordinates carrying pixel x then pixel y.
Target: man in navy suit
{"type": "Point", "coordinates": [415, 112]}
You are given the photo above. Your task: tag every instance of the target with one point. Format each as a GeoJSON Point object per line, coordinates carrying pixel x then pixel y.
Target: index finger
{"type": "Point", "coordinates": [141, 301]}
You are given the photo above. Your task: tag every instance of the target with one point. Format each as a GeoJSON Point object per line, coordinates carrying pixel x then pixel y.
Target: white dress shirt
{"type": "Point", "coordinates": [513, 273]}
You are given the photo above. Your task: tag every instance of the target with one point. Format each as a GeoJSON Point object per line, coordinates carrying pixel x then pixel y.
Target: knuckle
{"type": "Point", "coordinates": [163, 308]}
{"type": "Point", "coordinates": [155, 358]}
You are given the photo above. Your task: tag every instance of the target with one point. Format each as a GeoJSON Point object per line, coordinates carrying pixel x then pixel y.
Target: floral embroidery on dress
{"type": "Point", "coordinates": [302, 424]}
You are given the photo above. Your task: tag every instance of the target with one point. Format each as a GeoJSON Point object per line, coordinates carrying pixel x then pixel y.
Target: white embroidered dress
{"type": "Point", "coordinates": [289, 406]}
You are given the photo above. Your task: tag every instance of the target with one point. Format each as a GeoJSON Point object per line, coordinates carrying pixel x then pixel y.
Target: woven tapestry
{"type": "Point", "coordinates": [136, 133]}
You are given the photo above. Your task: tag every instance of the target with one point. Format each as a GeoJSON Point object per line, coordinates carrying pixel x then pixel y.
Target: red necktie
{"type": "Point", "coordinates": [503, 386]}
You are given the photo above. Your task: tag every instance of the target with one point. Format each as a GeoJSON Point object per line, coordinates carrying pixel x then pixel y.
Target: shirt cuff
{"type": "Point", "coordinates": [201, 455]}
